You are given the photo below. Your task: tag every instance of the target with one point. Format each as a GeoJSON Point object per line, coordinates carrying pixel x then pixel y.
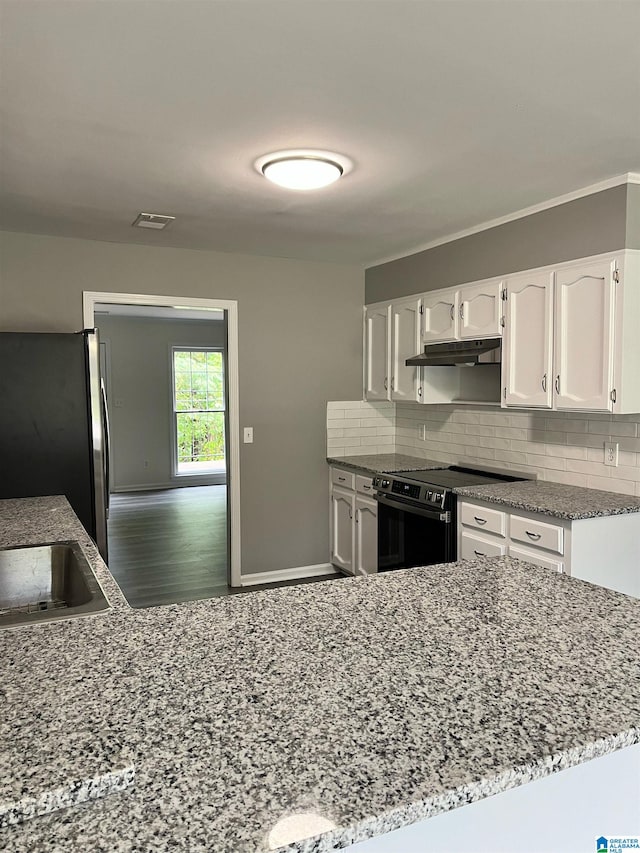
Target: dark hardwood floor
{"type": "Point", "coordinates": [171, 546]}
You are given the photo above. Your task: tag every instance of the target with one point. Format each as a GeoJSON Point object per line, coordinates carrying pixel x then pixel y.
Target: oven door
{"type": "Point", "coordinates": [412, 535]}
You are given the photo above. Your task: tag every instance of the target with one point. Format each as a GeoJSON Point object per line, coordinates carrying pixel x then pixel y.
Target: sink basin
{"type": "Point", "coordinates": [40, 583]}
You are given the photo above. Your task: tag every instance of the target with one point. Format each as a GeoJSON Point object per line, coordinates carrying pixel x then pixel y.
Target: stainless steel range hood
{"type": "Point", "coordinates": [461, 353]}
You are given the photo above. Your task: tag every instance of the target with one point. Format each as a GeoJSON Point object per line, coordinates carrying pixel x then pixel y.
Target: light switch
{"type": "Point", "coordinates": [248, 435]}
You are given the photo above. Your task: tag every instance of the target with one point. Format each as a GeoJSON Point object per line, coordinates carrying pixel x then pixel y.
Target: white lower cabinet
{"type": "Point", "coordinates": [354, 523]}
{"type": "Point", "coordinates": [603, 550]}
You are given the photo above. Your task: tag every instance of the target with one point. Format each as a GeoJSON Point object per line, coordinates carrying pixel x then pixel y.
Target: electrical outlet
{"type": "Point", "coordinates": [248, 435]}
{"type": "Point", "coordinates": [611, 453]}
{"type": "Point", "coordinates": [118, 403]}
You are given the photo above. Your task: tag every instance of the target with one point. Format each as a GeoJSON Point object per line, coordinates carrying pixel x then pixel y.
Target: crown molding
{"type": "Point", "coordinates": [626, 178]}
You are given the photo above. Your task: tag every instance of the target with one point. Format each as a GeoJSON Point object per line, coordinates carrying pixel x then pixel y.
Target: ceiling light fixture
{"type": "Point", "coordinates": [303, 169]}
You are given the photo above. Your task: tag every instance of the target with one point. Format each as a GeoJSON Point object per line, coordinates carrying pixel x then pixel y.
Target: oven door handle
{"type": "Point", "coordinates": [408, 506]}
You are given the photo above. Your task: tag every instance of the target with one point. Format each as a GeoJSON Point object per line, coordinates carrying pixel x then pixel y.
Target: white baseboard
{"type": "Point", "coordinates": [157, 487]}
{"type": "Point", "coordinates": [295, 573]}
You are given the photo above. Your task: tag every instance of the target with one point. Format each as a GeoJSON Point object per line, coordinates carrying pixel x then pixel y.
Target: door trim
{"type": "Point", "coordinates": [89, 300]}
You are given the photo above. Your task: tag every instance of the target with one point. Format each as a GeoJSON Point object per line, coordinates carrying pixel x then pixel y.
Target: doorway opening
{"type": "Point", "coordinates": [171, 371]}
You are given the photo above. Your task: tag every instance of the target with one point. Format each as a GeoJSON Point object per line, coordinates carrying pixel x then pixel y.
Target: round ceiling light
{"type": "Point", "coordinates": [303, 169]}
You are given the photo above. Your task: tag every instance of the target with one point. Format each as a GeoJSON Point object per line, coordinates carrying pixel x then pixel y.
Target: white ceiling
{"type": "Point", "coordinates": [454, 112]}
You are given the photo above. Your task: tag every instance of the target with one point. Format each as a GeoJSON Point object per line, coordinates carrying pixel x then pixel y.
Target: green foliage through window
{"type": "Point", "coordinates": [199, 404]}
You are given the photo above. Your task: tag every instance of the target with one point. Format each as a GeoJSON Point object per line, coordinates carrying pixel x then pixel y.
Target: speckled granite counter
{"type": "Point", "coordinates": [556, 499]}
{"type": "Point", "coordinates": [318, 698]}
{"type": "Point", "coordinates": [385, 463]}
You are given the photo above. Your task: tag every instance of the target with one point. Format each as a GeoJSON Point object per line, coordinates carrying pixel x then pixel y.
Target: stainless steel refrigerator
{"type": "Point", "coordinates": [53, 423]}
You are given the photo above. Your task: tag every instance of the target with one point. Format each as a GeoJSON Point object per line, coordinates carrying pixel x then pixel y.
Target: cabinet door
{"type": "Point", "coordinates": [583, 349]}
{"type": "Point", "coordinates": [528, 342]}
{"type": "Point", "coordinates": [342, 524]}
{"type": "Point", "coordinates": [377, 360]}
{"type": "Point", "coordinates": [405, 342]}
{"type": "Point", "coordinates": [366, 536]}
{"type": "Point", "coordinates": [440, 313]}
{"type": "Point", "coordinates": [480, 310]}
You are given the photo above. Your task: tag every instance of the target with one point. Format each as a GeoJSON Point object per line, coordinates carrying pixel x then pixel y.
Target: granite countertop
{"type": "Point", "coordinates": [385, 463]}
{"type": "Point", "coordinates": [242, 711]}
{"type": "Point", "coordinates": [555, 499]}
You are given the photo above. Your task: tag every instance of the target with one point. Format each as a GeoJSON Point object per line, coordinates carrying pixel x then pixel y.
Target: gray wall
{"type": "Point", "coordinates": [300, 340]}
{"type": "Point", "coordinates": [139, 377]}
{"type": "Point", "coordinates": [587, 226]}
{"type": "Point", "coordinates": [633, 216]}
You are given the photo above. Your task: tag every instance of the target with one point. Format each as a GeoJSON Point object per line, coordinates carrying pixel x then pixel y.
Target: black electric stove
{"type": "Point", "coordinates": [417, 513]}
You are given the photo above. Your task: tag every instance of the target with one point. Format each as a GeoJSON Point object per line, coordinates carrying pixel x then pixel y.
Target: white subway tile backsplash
{"type": "Point", "coordinates": [562, 447]}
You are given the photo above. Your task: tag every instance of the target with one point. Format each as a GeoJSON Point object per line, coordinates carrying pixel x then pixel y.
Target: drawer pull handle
{"type": "Point", "coordinates": [480, 520]}
{"type": "Point", "coordinates": [479, 553]}
{"type": "Point", "coordinates": [342, 479]}
{"type": "Point", "coordinates": [534, 536]}
{"type": "Point", "coordinates": [367, 488]}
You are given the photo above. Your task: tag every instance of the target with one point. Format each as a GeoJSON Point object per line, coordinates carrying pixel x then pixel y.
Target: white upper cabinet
{"type": "Point", "coordinates": [527, 349]}
{"type": "Point", "coordinates": [392, 335]}
{"type": "Point", "coordinates": [405, 343]}
{"type": "Point", "coordinates": [377, 357]}
{"type": "Point", "coordinates": [480, 310]}
{"type": "Point", "coordinates": [583, 348]}
{"type": "Point", "coordinates": [440, 313]}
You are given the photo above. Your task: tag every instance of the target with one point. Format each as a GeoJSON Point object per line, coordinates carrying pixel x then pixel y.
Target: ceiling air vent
{"type": "Point", "coordinates": [152, 220]}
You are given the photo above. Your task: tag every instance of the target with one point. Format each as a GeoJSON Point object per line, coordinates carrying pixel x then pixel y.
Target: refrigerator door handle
{"type": "Point", "coordinates": [98, 440]}
{"type": "Point", "coordinates": [107, 448]}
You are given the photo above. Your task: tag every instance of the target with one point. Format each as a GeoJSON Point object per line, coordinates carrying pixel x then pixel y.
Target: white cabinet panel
{"type": "Point", "coordinates": [342, 533]}
{"type": "Point", "coordinates": [528, 342]}
{"type": "Point", "coordinates": [377, 360]}
{"type": "Point", "coordinates": [536, 558]}
{"type": "Point", "coordinates": [440, 312]}
{"type": "Point", "coordinates": [345, 479]}
{"type": "Point", "coordinates": [480, 310]}
{"type": "Point", "coordinates": [364, 484]}
{"type": "Point", "coordinates": [483, 518]}
{"type": "Point", "coordinates": [366, 534]}
{"type": "Point", "coordinates": [405, 343]}
{"type": "Point", "coordinates": [472, 545]}
{"type": "Point", "coordinates": [537, 533]}
{"type": "Point", "coordinates": [583, 351]}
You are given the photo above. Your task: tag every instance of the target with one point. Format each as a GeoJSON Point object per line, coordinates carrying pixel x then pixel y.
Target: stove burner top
{"type": "Point", "coordinates": [434, 487]}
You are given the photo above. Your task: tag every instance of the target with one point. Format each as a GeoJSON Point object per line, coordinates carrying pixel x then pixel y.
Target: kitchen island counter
{"type": "Point", "coordinates": [319, 699]}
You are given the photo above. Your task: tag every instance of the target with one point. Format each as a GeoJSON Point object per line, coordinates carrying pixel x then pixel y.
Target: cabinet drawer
{"type": "Point", "coordinates": [364, 484]}
{"type": "Point", "coordinates": [343, 478]}
{"type": "Point", "coordinates": [481, 518]}
{"type": "Point", "coordinates": [536, 558]}
{"type": "Point", "coordinates": [537, 534]}
{"type": "Point", "coordinates": [472, 546]}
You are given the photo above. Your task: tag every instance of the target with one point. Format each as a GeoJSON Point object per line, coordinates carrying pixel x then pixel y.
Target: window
{"type": "Point", "coordinates": [199, 406]}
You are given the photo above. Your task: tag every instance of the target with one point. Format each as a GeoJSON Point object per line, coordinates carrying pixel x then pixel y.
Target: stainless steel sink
{"type": "Point", "coordinates": [40, 583]}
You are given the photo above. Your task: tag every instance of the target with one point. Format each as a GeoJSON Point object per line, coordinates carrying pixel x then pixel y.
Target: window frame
{"type": "Point", "coordinates": [204, 474]}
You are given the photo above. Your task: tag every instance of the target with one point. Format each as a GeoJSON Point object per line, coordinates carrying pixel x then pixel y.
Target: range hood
{"type": "Point", "coordinates": [462, 353]}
